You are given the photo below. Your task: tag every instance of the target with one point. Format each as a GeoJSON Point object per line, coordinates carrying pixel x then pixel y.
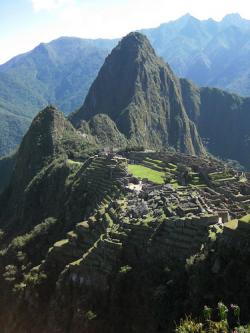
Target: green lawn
{"type": "Point", "coordinates": [245, 218]}
{"type": "Point", "coordinates": [196, 181]}
{"type": "Point", "coordinates": [71, 162]}
{"type": "Point", "coordinates": [141, 171]}
{"type": "Point", "coordinates": [221, 176]}
{"type": "Point", "coordinates": [232, 224]}
{"type": "Point", "coordinates": [172, 166]}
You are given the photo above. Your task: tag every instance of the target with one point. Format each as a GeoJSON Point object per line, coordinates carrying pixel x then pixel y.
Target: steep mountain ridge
{"type": "Point", "coordinates": [222, 120]}
{"type": "Point", "coordinates": [139, 92]}
{"type": "Point", "coordinates": [61, 72]}
{"type": "Point", "coordinates": [50, 140]}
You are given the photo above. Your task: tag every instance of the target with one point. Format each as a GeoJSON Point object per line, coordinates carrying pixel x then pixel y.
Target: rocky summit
{"type": "Point", "coordinates": [141, 95]}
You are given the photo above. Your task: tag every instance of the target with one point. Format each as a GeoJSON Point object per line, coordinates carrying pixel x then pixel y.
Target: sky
{"type": "Point", "coordinates": [26, 23]}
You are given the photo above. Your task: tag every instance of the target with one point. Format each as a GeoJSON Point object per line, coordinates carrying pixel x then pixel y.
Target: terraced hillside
{"type": "Point", "coordinates": [101, 245]}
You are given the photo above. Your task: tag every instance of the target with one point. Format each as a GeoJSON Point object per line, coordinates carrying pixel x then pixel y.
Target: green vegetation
{"type": "Point", "coordinates": [125, 269]}
{"type": "Point", "coordinates": [174, 183]}
{"type": "Point", "coordinates": [135, 255]}
{"type": "Point", "coordinates": [232, 224]}
{"type": "Point", "coordinates": [149, 218]}
{"type": "Point", "coordinates": [6, 168]}
{"type": "Point", "coordinates": [156, 164]}
{"type": "Point", "coordinates": [195, 179]}
{"type": "Point", "coordinates": [10, 273]}
{"type": "Point", "coordinates": [30, 82]}
{"type": "Point", "coordinates": [172, 166]}
{"type": "Point", "coordinates": [245, 218]}
{"type": "Point", "coordinates": [129, 116]}
{"type": "Point", "coordinates": [220, 176]}
{"type": "Point", "coordinates": [39, 230]}
{"type": "Point", "coordinates": [141, 171]}
{"type": "Point", "coordinates": [90, 315]}
{"type": "Point", "coordinates": [204, 70]}
{"type": "Point", "coordinates": [208, 325]}
{"type": "Point", "coordinates": [104, 129]}
{"type": "Point", "coordinates": [34, 278]}
{"type": "Point", "coordinates": [61, 242]}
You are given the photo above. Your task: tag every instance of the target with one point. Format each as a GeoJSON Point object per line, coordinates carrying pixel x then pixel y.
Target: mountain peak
{"type": "Point", "coordinates": [140, 94]}
{"type": "Point", "coordinates": [133, 43]}
{"type": "Point", "coordinates": [186, 16]}
{"type": "Point", "coordinates": [235, 19]}
{"type": "Point", "coordinates": [47, 120]}
{"type": "Point", "coordinates": [41, 142]}
{"type": "Point", "coordinates": [120, 70]}
{"type": "Point", "coordinates": [232, 17]}
{"type": "Point", "coordinates": [48, 111]}
{"type": "Point", "coordinates": [135, 37]}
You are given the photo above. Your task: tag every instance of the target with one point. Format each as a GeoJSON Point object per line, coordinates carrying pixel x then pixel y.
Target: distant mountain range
{"type": "Point", "coordinates": [208, 52]}
{"type": "Point", "coordinates": [58, 73]}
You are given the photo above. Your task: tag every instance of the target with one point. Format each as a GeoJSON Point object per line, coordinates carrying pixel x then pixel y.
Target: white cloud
{"type": "Point", "coordinates": [109, 18]}
{"type": "Point", "coordinates": [39, 5]}
{"type": "Point", "coordinates": [106, 18]}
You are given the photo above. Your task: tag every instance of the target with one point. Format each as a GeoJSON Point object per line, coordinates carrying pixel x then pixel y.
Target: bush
{"type": "Point", "coordinates": [125, 269]}
{"type": "Point", "coordinates": [90, 315]}
{"type": "Point", "coordinates": [208, 325]}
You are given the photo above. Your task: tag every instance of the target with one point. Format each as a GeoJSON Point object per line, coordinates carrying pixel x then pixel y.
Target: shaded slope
{"type": "Point", "coordinates": [140, 94]}
{"type": "Point", "coordinates": [105, 259]}
{"type": "Point", "coordinates": [50, 141]}
{"type": "Point", "coordinates": [7, 165]}
{"type": "Point", "coordinates": [222, 120]}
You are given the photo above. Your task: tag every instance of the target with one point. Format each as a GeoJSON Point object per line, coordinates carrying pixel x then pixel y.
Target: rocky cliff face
{"type": "Point", "coordinates": [221, 119]}
{"type": "Point", "coordinates": [139, 92]}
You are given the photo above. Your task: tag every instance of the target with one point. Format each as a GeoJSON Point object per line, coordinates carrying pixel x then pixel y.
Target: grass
{"type": "Point", "coordinates": [245, 218]}
{"type": "Point", "coordinates": [221, 176]}
{"type": "Point", "coordinates": [196, 181]}
{"type": "Point", "coordinates": [61, 243]}
{"type": "Point", "coordinates": [154, 162]}
{"type": "Point", "coordinates": [74, 162]}
{"type": "Point", "coordinates": [141, 171]}
{"type": "Point", "coordinates": [232, 224]}
{"type": "Point", "coordinates": [174, 184]}
{"type": "Point", "coordinates": [148, 219]}
{"type": "Point", "coordinates": [108, 219]}
{"type": "Point", "coordinates": [172, 166]}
